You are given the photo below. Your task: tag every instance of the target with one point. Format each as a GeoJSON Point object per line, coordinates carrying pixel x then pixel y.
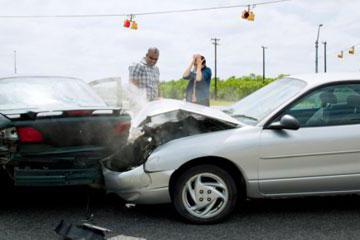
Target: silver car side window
{"type": "Point", "coordinates": [327, 106]}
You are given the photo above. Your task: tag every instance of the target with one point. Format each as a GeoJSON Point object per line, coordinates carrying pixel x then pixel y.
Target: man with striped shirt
{"type": "Point", "coordinates": [145, 75]}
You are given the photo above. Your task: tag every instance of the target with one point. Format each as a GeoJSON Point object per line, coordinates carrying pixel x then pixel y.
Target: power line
{"type": "Point", "coordinates": [143, 13]}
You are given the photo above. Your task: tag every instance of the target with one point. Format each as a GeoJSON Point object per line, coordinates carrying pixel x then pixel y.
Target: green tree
{"type": "Point", "coordinates": [231, 89]}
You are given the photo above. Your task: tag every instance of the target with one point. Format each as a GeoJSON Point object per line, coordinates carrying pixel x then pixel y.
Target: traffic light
{"type": "Point", "coordinates": [245, 14]}
{"type": "Point", "coordinates": [352, 50]}
{"type": "Point", "coordinates": [341, 54]}
{"type": "Point", "coordinates": [134, 25]}
{"type": "Point", "coordinates": [248, 14]}
{"type": "Point", "coordinates": [130, 23]}
{"type": "Point", "coordinates": [251, 16]}
{"type": "Point", "coordinates": [127, 23]}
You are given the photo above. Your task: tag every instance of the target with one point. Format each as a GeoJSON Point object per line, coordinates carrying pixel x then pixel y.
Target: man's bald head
{"type": "Point", "coordinates": [152, 56]}
{"type": "Point", "coordinates": [153, 50]}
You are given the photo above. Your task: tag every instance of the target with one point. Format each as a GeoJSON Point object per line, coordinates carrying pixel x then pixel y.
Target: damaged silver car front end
{"type": "Point", "coordinates": [159, 123]}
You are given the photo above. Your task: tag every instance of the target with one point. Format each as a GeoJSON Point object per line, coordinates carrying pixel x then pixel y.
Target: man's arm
{"type": "Point", "coordinates": [159, 93]}
{"type": "Point", "coordinates": [186, 74]}
{"type": "Point", "coordinates": [198, 69]}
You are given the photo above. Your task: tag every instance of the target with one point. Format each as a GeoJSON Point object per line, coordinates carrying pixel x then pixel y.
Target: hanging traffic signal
{"type": "Point", "coordinates": [352, 50]}
{"type": "Point", "coordinates": [248, 14]}
{"type": "Point", "coordinates": [341, 54]}
{"type": "Point", "coordinates": [134, 25]}
{"type": "Point", "coordinates": [245, 14]}
{"type": "Point", "coordinates": [127, 23]}
{"type": "Point", "coordinates": [251, 16]}
{"type": "Point", "coordinates": [130, 23]}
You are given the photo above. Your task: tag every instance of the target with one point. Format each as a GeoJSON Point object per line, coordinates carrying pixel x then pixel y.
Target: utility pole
{"type": "Point", "coordinates": [263, 48]}
{"type": "Point", "coordinates": [15, 70]}
{"type": "Point", "coordinates": [215, 42]}
{"type": "Point", "coordinates": [316, 48]}
{"type": "Point", "coordinates": [324, 56]}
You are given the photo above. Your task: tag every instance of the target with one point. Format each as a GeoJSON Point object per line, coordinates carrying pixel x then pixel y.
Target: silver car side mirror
{"type": "Point", "coordinates": [286, 122]}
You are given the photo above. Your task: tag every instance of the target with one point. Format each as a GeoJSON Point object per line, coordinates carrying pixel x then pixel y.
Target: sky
{"type": "Point", "coordinates": [95, 48]}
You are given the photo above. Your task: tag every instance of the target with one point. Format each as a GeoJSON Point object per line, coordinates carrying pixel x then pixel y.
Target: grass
{"type": "Point", "coordinates": [220, 103]}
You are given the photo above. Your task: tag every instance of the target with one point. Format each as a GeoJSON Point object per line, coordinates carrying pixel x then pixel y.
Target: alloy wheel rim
{"type": "Point", "coordinates": [205, 195]}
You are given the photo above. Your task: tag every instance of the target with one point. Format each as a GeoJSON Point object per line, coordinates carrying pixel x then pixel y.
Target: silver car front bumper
{"type": "Point", "coordinates": [137, 186]}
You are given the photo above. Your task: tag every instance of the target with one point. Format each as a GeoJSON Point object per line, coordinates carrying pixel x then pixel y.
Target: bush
{"type": "Point", "coordinates": [231, 89]}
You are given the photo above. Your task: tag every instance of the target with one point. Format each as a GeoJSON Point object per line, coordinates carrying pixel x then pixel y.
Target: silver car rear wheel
{"type": "Point", "coordinates": [205, 194]}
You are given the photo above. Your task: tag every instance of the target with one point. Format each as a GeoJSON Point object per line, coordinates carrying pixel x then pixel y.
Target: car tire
{"type": "Point", "coordinates": [205, 194]}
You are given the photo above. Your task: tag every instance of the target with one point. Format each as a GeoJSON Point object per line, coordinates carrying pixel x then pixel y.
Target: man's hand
{"type": "Point", "coordinates": [193, 98]}
{"type": "Point", "coordinates": [199, 61]}
{"type": "Point", "coordinates": [188, 69]}
{"type": "Point", "coordinates": [194, 58]}
{"type": "Point", "coordinates": [135, 82]}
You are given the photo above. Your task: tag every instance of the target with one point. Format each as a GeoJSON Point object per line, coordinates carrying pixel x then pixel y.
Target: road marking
{"type": "Point", "coordinates": [123, 237]}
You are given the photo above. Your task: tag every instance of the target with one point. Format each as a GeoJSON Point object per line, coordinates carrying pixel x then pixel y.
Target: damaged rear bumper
{"type": "Point", "coordinates": [138, 186]}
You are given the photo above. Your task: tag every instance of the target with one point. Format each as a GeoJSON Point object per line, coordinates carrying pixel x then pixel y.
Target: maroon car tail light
{"type": "Point", "coordinates": [79, 113]}
{"type": "Point", "coordinates": [29, 135]}
{"type": "Point", "coordinates": [121, 127]}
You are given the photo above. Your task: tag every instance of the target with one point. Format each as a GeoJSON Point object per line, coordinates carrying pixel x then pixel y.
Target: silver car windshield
{"type": "Point", "coordinates": [46, 92]}
{"type": "Point", "coordinates": [262, 102]}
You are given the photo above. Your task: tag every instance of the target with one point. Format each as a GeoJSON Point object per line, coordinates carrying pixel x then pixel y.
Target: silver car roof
{"type": "Point", "coordinates": [321, 78]}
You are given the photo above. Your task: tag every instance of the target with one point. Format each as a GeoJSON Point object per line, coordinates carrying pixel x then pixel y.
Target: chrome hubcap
{"type": "Point", "coordinates": [205, 195]}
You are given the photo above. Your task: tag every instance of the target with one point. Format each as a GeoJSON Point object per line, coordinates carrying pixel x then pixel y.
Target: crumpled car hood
{"type": "Point", "coordinates": [163, 121]}
{"type": "Point", "coordinates": [168, 110]}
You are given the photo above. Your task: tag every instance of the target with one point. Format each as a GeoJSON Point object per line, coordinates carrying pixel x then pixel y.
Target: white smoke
{"type": "Point", "coordinates": [118, 93]}
{"type": "Point", "coordinates": [136, 98]}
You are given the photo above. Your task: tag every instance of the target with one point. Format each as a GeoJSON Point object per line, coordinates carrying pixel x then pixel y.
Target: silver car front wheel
{"type": "Point", "coordinates": [205, 194]}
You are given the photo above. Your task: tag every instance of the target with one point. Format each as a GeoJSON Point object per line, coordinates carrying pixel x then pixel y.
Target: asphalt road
{"type": "Point", "coordinates": [34, 214]}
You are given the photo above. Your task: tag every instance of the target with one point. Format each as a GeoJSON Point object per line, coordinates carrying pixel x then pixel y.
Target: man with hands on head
{"type": "Point", "coordinates": [199, 76]}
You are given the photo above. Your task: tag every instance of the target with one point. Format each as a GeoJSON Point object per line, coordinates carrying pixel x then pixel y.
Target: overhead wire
{"type": "Point", "coordinates": [144, 13]}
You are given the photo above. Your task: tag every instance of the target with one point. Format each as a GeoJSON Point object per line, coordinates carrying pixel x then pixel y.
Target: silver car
{"type": "Point", "coordinates": [297, 136]}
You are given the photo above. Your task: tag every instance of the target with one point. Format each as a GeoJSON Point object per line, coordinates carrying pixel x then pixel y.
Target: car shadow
{"type": "Point", "coordinates": [89, 199]}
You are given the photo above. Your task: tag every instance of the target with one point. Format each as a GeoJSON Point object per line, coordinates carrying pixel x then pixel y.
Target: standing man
{"type": "Point", "coordinates": [145, 75]}
{"type": "Point", "coordinates": [199, 76]}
